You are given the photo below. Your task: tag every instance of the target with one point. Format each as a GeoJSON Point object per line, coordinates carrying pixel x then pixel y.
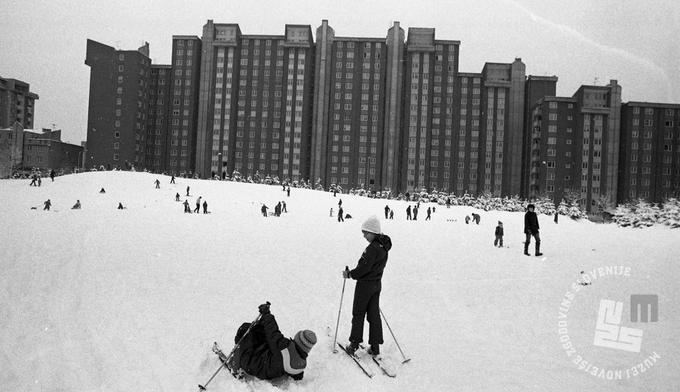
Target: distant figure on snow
{"type": "Point", "coordinates": [52, 174]}
{"type": "Point", "coordinates": [556, 215]}
{"type": "Point", "coordinates": [415, 213]}
{"type": "Point", "coordinates": [264, 210]}
{"type": "Point", "coordinates": [198, 205]}
{"type": "Point", "coordinates": [467, 219]}
{"type": "Point", "coordinates": [187, 190]}
{"type": "Point", "coordinates": [499, 235]}
{"type": "Point", "coordinates": [340, 216]}
{"type": "Point", "coordinates": [102, 190]}
{"type": "Point", "coordinates": [531, 229]}
{"type": "Point", "coordinates": [429, 211]}
{"type": "Point", "coordinates": [266, 354]}
{"type": "Point", "coordinates": [408, 213]}
{"type": "Point", "coordinates": [76, 206]}
{"type": "Point", "coordinates": [205, 207]}
{"type": "Point", "coordinates": [120, 206]}
{"type": "Point", "coordinates": [172, 180]}
{"type": "Point", "coordinates": [387, 211]}
{"type": "Point", "coordinates": [331, 212]}
{"type": "Point", "coordinates": [476, 218]}
{"type": "Point", "coordinates": [283, 204]}
{"type": "Point", "coordinates": [47, 204]}
{"type": "Point", "coordinates": [177, 196]}
{"type": "Point", "coordinates": [391, 214]}
{"type": "Point", "coordinates": [187, 209]}
{"type": "Point", "coordinates": [158, 184]}
{"type": "Point", "coordinates": [288, 191]}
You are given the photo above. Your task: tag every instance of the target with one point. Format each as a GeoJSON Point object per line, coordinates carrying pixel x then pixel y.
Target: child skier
{"type": "Point", "coordinates": [266, 354]}
{"type": "Point", "coordinates": [499, 235]}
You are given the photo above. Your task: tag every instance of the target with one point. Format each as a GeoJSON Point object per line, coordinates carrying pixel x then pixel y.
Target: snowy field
{"type": "Point", "coordinates": [101, 299]}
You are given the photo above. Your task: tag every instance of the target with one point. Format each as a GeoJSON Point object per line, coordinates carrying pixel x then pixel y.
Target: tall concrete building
{"type": "Point", "coordinates": [17, 103]}
{"type": "Point", "coordinates": [649, 165]}
{"type": "Point", "coordinates": [118, 105]}
{"type": "Point", "coordinates": [575, 146]}
{"type": "Point", "coordinates": [156, 154]}
{"type": "Point", "coordinates": [255, 102]}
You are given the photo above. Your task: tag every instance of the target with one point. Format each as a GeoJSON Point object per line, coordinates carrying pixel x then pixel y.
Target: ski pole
{"type": "Point", "coordinates": [224, 363]}
{"type": "Point", "coordinates": [344, 280]}
{"type": "Point", "coordinates": [395, 338]}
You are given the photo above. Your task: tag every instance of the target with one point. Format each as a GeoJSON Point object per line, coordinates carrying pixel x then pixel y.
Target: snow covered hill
{"type": "Point", "coordinates": [101, 299]}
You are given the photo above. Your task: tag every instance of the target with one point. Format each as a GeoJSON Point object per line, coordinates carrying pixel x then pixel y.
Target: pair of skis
{"type": "Point", "coordinates": [386, 369]}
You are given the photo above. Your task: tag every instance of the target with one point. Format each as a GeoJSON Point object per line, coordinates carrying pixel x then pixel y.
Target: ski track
{"type": "Point", "coordinates": [105, 300]}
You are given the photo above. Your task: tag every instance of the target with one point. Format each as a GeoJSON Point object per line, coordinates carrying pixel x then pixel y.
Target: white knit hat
{"type": "Point", "coordinates": [372, 225]}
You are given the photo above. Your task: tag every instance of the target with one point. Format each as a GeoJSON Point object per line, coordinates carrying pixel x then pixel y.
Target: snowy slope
{"type": "Point", "coordinates": [101, 299]}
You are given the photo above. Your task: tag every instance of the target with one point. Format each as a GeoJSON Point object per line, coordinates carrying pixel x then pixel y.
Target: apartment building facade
{"type": "Point", "coordinates": [17, 103]}
{"type": "Point", "coordinates": [118, 106]}
{"type": "Point", "coordinates": [650, 152]}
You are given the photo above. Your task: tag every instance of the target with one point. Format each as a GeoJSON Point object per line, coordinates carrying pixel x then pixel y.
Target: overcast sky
{"type": "Point", "coordinates": [636, 42]}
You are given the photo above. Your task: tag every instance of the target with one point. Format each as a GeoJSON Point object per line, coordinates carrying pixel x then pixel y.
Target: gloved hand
{"type": "Point", "coordinates": [264, 308]}
{"type": "Point", "coordinates": [345, 273]}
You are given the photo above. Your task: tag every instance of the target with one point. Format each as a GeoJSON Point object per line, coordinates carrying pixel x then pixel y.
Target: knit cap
{"type": "Point", "coordinates": [371, 225]}
{"type": "Point", "coordinates": [305, 339]}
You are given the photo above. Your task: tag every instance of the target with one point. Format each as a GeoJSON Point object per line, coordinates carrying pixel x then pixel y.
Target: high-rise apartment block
{"type": "Point", "coordinates": [17, 103]}
{"type": "Point", "coordinates": [391, 112]}
{"type": "Point", "coordinates": [650, 151]}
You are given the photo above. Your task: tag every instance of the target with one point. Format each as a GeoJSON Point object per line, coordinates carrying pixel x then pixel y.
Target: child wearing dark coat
{"type": "Point", "coordinates": [499, 235]}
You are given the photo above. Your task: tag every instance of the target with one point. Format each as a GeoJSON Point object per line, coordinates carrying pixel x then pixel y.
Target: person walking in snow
{"type": "Point", "coordinates": [368, 274]}
{"type": "Point", "coordinates": [429, 211]}
{"type": "Point", "coordinates": [34, 178]}
{"type": "Point", "coordinates": [158, 184]}
{"type": "Point", "coordinates": [47, 204]}
{"type": "Point", "coordinates": [476, 218]}
{"type": "Point", "coordinates": [205, 207]}
{"type": "Point", "coordinates": [120, 206]}
{"type": "Point", "coordinates": [499, 235]}
{"type": "Point", "coordinates": [283, 204]}
{"type": "Point", "coordinates": [387, 211]}
{"type": "Point", "coordinates": [177, 196]}
{"type": "Point", "coordinates": [266, 354]}
{"type": "Point", "coordinates": [187, 209]}
{"type": "Point", "coordinates": [76, 206]}
{"type": "Point", "coordinates": [391, 214]}
{"type": "Point", "coordinates": [172, 180]}
{"type": "Point", "coordinates": [198, 205]}
{"type": "Point", "coordinates": [52, 174]}
{"type": "Point", "coordinates": [531, 229]}
{"type": "Point", "coordinates": [187, 190]}
{"type": "Point", "coordinates": [408, 213]}
{"type": "Point", "coordinates": [340, 216]}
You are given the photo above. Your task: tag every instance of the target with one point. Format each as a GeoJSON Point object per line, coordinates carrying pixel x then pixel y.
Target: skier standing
{"type": "Point", "coordinates": [368, 274]}
{"type": "Point", "coordinates": [531, 229]}
{"type": "Point", "coordinates": [499, 235]}
{"type": "Point", "coordinates": [266, 354]}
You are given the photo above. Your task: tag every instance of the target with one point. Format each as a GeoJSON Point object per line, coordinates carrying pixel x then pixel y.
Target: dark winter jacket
{"type": "Point", "coordinates": [499, 230]}
{"type": "Point", "coordinates": [530, 223]}
{"type": "Point", "coordinates": [272, 357]}
{"type": "Point", "coordinates": [372, 262]}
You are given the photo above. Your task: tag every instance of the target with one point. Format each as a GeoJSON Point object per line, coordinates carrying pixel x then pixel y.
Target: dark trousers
{"type": "Point", "coordinates": [366, 305]}
{"type": "Point", "coordinates": [528, 241]}
{"type": "Point", "coordinates": [498, 241]}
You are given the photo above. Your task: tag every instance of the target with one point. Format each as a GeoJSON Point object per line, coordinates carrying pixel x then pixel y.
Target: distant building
{"type": "Point", "coordinates": [650, 152]}
{"type": "Point", "coordinates": [118, 106]}
{"type": "Point", "coordinates": [17, 103]}
{"type": "Point", "coordinates": [575, 147]}
{"type": "Point", "coordinates": [26, 149]}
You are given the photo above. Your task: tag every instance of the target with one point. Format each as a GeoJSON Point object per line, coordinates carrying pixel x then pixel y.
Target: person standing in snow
{"type": "Point", "coordinates": [266, 354]}
{"type": "Point", "coordinates": [368, 274]}
{"type": "Point", "coordinates": [205, 207]}
{"type": "Point", "coordinates": [499, 235]}
{"type": "Point", "coordinates": [198, 205]}
{"type": "Point", "coordinates": [340, 216]}
{"type": "Point", "coordinates": [531, 229]}
{"type": "Point", "coordinates": [283, 203]}
{"type": "Point", "coordinates": [415, 213]}
{"type": "Point", "coordinates": [158, 184]}
{"type": "Point", "coordinates": [467, 219]}
{"type": "Point", "coordinates": [120, 206]}
{"type": "Point", "coordinates": [172, 180]}
{"type": "Point", "coordinates": [387, 211]}
{"type": "Point", "coordinates": [187, 209]}
{"type": "Point", "coordinates": [52, 174]}
{"type": "Point", "coordinates": [264, 210]}
{"type": "Point", "coordinates": [47, 204]}
{"type": "Point", "coordinates": [177, 196]}
{"type": "Point", "coordinates": [187, 190]}
{"type": "Point", "coordinates": [429, 211]}
{"type": "Point", "coordinates": [288, 191]}
{"type": "Point", "coordinates": [391, 214]}
{"type": "Point", "coordinates": [556, 217]}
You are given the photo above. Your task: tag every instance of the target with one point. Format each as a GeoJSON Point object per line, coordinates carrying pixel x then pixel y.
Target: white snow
{"type": "Point", "coordinates": [100, 299]}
